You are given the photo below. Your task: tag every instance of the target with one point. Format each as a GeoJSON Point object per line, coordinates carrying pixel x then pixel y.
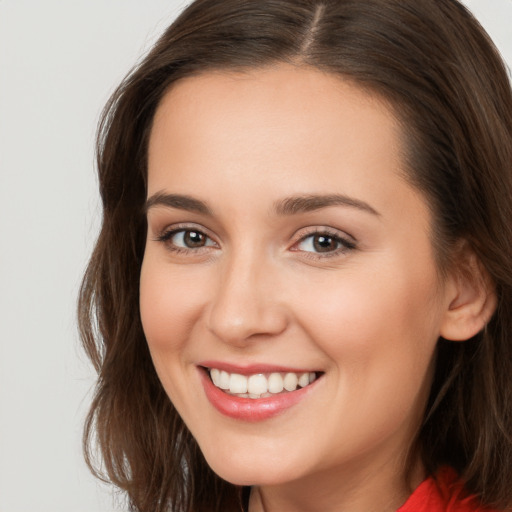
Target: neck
{"type": "Point", "coordinates": [382, 490]}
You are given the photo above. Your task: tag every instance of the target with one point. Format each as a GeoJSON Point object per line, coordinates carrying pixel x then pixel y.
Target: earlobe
{"type": "Point", "coordinates": [472, 298]}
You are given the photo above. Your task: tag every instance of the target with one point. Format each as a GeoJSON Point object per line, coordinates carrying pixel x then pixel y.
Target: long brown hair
{"type": "Point", "coordinates": [438, 69]}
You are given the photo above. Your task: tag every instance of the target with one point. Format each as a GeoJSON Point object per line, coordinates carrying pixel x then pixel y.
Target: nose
{"type": "Point", "coordinates": [245, 304]}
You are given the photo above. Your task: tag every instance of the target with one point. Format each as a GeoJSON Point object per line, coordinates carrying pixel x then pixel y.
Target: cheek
{"type": "Point", "coordinates": [387, 319]}
{"type": "Point", "coordinates": [166, 316]}
{"type": "Point", "coordinates": [170, 305]}
{"type": "Point", "coordinates": [379, 334]}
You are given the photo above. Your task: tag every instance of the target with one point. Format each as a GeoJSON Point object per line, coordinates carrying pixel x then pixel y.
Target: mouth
{"type": "Point", "coordinates": [257, 393]}
{"type": "Point", "coordinates": [260, 385]}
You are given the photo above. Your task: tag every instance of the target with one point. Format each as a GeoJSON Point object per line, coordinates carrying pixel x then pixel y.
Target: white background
{"type": "Point", "coordinates": [59, 62]}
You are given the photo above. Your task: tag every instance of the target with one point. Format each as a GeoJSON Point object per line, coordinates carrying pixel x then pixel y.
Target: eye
{"type": "Point", "coordinates": [186, 239]}
{"type": "Point", "coordinates": [324, 243]}
{"type": "Point", "coordinates": [189, 239]}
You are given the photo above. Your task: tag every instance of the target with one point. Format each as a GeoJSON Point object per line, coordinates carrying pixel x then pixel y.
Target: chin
{"type": "Point", "coordinates": [246, 470]}
{"type": "Point", "coordinates": [236, 475]}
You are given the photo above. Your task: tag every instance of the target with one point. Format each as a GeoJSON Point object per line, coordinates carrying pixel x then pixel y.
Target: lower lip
{"type": "Point", "coordinates": [249, 409]}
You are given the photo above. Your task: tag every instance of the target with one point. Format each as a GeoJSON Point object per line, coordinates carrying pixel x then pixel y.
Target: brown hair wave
{"type": "Point", "coordinates": [440, 72]}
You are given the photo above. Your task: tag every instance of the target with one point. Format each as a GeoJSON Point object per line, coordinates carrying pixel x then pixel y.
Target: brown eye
{"type": "Point", "coordinates": [194, 239]}
{"type": "Point", "coordinates": [325, 243]}
{"type": "Point", "coordinates": [186, 239]}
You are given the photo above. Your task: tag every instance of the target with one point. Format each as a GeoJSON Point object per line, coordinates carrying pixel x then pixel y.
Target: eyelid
{"type": "Point", "coordinates": [164, 236]}
{"type": "Point", "coordinates": [322, 230]}
{"type": "Point", "coordinates": [348, 242]}
{"type": "Point", "coordinates": [183, 226]}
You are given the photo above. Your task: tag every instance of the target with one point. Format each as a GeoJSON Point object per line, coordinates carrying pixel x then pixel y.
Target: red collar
{"type": "Point", "coordinates": [445, 493]}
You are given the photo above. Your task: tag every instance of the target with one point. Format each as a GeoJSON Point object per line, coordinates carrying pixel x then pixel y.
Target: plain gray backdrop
{"type": "Point", "coordinates": [59, 62]}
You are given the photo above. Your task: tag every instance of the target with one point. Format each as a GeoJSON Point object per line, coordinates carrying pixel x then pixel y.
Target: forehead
{"type": "Point", "coordinates": [278, 96]}
{"type": "Point", "coordinates": [283, 106]}
{"type": "Point", "coordinates": [275, 132]}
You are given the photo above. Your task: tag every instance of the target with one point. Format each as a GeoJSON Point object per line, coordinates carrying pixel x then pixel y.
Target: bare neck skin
{"type": "Point", "coordinates": [358, 491]}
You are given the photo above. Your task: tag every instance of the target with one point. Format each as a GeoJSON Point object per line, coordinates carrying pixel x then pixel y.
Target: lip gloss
{"type": "Point", "coordinates": [249, 409]}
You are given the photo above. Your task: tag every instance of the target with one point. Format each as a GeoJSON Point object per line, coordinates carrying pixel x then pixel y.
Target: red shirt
{"type": "Point", "coordinates": [445, 494]}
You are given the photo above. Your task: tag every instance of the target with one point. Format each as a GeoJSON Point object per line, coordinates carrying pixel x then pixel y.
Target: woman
{"type": "Point", "coordinates": [301, 295]}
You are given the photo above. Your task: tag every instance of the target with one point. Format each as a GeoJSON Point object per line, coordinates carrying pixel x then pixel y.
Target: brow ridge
{"type": "Point", "coordinates": [289, 206]}
{"type": "Point", "coordinates": [311, 202]}
{"type": "Point", "coordinates": [179, 201]}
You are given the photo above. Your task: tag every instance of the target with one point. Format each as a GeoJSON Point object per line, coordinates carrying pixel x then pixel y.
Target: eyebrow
{"type": "Point", "coordinates": [288, 206]}
{"type": "Point", "coordinates": [308, 203]}
{"type": "Point", "coordinates": [179, 201]}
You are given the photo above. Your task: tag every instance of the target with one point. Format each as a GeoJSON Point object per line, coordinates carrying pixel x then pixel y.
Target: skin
{"type": "Point", "coordinates": [368, 316]}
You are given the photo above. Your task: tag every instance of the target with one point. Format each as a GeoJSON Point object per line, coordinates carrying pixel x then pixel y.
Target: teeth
{"type": "Point", "coordinates": [290, 381]}
{"type": "Point", "coordinates": [275, 383]}
{"type": "Point", "coordinates": [260, 385]}
{"type": "Point", "coordinates": [304, 380]}
{"type": "Point", "coordinates": [224, 380]}
{"type": "Point", "coordinates": [237, 383]}
{"type": "Point", "coordinates": [257, 384]}
{"type": "Point", "coordinates": [215, 375]}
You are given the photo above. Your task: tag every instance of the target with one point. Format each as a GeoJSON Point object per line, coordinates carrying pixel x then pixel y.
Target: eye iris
{"type": "Point", "coordinates": [323, 243]}
{"type": "Point", "coordinates": [194, 239]}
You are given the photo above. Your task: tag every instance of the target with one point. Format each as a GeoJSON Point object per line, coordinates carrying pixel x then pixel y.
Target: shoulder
{"type": "Point", "coordinates": [445, 493]}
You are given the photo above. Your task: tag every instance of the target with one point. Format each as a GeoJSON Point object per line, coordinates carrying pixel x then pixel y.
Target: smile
{"type": "Point", "coordinates": [257, 393]}
{"type": "Point", "coordinates": [260, 385]}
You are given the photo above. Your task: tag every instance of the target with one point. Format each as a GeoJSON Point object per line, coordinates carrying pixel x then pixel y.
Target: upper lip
{"type": "Point", "coordinates": [253, 368]}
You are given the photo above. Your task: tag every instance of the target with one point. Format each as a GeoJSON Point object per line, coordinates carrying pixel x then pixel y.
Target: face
{"type": "Point", "coordinates": [286, 249]}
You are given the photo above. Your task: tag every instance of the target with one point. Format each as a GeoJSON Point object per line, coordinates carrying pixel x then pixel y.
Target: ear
{"type": "Point", "coordinates": [471, 297]}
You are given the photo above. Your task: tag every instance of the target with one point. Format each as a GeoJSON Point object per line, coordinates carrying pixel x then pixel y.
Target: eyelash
{"type": "Point", "coordinates": [166, 238]}
{"type": "Point", "coordinates": [344, 245]}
